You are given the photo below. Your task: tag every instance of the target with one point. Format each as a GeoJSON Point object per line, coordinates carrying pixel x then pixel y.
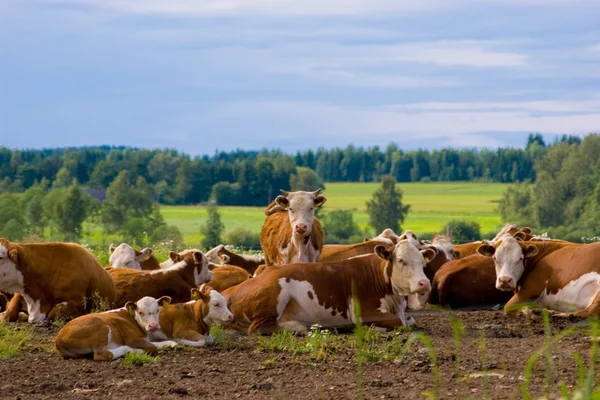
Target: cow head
{"type": "Point", "coordinates": [301, 208]}
{"type": "Point", "coordinates": [509, 259]}
{"type": "Point", "coordinates": [387, 236]}
{"type": "Point", "coordinates": [11, 278]}
{"type": "Point", "coordinates": [146, 312]}
{"type": "Point", "coordinates": [406, 267]}
{"type": "Point", "coordinates": [202, 273]}
{"type": "Point", "coordinates": [412, 238]}
{"type": "Point", "coordinates": [215, 309]}
{"type": "Point", "coordinates": [124, 256]}
{"type": "Point", "coordinates": [213, 255]}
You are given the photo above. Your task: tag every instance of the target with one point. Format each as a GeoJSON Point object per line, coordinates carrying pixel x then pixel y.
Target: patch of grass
{"type": "Point", "coordinates": [222, 339]}
{"type": "Point", "coordinates": [269, 362]}
{"type": "Point", "coordinates": [282, 341]}
{"type": "Point", "coordinates": [13, 338]}
{"type": "Point", "coordinates": [96, 303]}
{"type": "Point", "coordinates": [138, 359]}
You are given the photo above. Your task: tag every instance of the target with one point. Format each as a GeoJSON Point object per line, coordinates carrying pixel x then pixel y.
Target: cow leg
{"type": "Point", "coordinates": [13, 308]}
{"type": "Point", "coordinates": [113, 354]}
{"type": "Point", "coordinates": [166, 343]}
{"type": "Point", "coordinates": [294, 326]}
{"type": "Point", "coordinates": [263, 326]}
{"type": "Point", "coordinates": [592, 310]}
{"type": "Point", "coordinates": [191, 338]}
{"type": "Point", "coordinates": [385, 320]}
{"type": "Point", "coordinates": [146, 346]}
{"type": "Point", "coordinates": [519, 300]}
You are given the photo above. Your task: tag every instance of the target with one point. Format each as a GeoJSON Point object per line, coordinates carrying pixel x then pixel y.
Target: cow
{"type": "Point", "coordinates": [213, 254]}
{"type": "Point", "coordinates": [226, 276]}
{"type": "Point", "coordinates": [337, 252]}
{"type": "Point", "coordinates": [125, 256]}
{"type": "Point", "coordinates": [558, 275]}
{"type": "Point", "coordinates": [189, 323]}
{"type": "Point", "coordinates": [175, 281]}
{"type": "Point", "coordinates": [112, 334]}
{"type": "Point", "coordinates": [291, 233]}
{"type": "Point", "coordinates": [248, 262]}
{"type": "Point", "coordinates": [174, 258]}
{"type": "Point", "coordinates": [467, 282]}
{"type": "Point", "coordinates": [295, 296]}
{"type": "Point", "coordinates": [55, 279]}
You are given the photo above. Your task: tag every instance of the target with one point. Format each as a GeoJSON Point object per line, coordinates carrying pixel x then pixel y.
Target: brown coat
{"type": "Point", "coordinates": [226, 276]}
{"type": "Point", "coordinates": [250, 264]}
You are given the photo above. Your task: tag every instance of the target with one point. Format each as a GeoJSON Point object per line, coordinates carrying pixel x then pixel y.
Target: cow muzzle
{"type": "Point", "coordinates": [424, 286]}
{"type": "Point", "coordinates": [153, 327]}
{"type": "Point", "coordinates": [505, 283]}
{"type": "Point", "coordinates": [301, 229]}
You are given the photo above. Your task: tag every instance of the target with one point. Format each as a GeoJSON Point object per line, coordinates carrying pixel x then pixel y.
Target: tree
{"type": "Point", "coordinates": [66, 209]}
{"type": "Point", "coordinates": [463, 231]}
{"type": "Point", "coordinates": [305, 179]}
{"type": "Point", "coordinates": [63, 179]}
{"type": "Point", "coordinates": [213, 228]}
{"type": "Point", "coordinates": [340, 227]}
{"type": "Point", "coordinates": [385, 208]}
{"type": "Point", "coordinates": [13, 226]}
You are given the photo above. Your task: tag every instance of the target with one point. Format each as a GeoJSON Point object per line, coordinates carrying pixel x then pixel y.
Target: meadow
{"type": "Point", "coordinates": [432, 205]}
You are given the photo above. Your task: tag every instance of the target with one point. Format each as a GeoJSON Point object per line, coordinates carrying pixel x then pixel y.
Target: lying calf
{"type": "Point", "coordinates": [189, 323]}
{"type": "Point", "coordinates": [112, 334]}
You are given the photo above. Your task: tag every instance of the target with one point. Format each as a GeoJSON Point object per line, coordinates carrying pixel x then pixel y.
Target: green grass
{"type": "Point", "coordinates": [432, 206]}
{"type": "Point", "coordinates": [13, 338]}
{"type": "Point", "coordinates": [139, 359]}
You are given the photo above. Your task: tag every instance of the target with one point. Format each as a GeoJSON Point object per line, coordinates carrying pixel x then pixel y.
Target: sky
{"type": "Point", "coordinates": [206, 75]}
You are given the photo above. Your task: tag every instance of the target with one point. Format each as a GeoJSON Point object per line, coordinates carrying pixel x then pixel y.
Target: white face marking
{"type": "Point", "coordinates": [201, 273]}
{"type": "Point", "coordinates": [412, 238]}
{"type": "Point", "coordinates": [301, 211]}
{"type": "Point", "coordinates": [212, 255]}
{"type": "Point", "coordinates": [217, 309]}
{"type": "Point", "coordinates": [508, 260]}
{"type": "Point", "coordinates": [444, 244]}
{"type": "Point", "coordinates": [408, 274]}
{"type": "Point", "coordinates": [34, 309]}
{"type": "Point", "coordinates": [309, 311]}
{"type": "Point", "coordinates": [11, 279]}
{"type": "Point", "coordinates": [124, 257]}
{"type": "Point", "coordinates": [147, 314]}
{"type": "Point", "coordinates": [168, 263]}
{"type": "Point", "coordinates": [575, 295]}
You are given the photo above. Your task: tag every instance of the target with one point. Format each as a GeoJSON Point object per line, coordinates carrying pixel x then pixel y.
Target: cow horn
{"type": "Point", "coordinates": [316, 192]}
{"type": "Point", "coordinates": [284, 192]}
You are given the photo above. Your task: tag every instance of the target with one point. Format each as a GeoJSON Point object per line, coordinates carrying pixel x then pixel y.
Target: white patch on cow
{"type": "Point", "coordinates": [193, 343]}
{"type": "Point", "coordinates": [416, 302]}
{"type": "Point", "coordinates": [508, 261]}
{"type": "Point", "coordinates": [217, 309]}
{"type": "Point", "coordinates": [444, 244]}
{"type": "Point", "coordinates": [11, 279]}
{"type": "Point", "coordinates": [200, 276]}
{"type": "Point", "coordinates": [394, 305]}
{"type": "Point", "coordinates": [147, 314]}
{"type": "Point", "coordinates": [34, 309]}
{"type": "Point", "coordinates": [166, 343]}
{"type": "Point", "coordinates": [412, 239]}
{"type": "Point", "coordinates": [575, 295]}
{"type": "Point", "coordinates": [309, 311]}
{"type": "Point", "coordinates": [388, 236]}
{"type": "Point", "coordinates": [123, 256]}
{"type": "Point", "coordinates": [120, 351]}
{"type": "Point", "coordinates": [212, 255]}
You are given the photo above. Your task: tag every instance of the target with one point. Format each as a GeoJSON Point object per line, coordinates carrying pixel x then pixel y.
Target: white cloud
{"type": "Point", "coordinates": [594, 47]}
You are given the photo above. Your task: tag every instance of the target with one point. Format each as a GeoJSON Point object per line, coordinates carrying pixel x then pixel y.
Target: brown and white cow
{"type": "Point", "coordinates": [189, 323]}
{"type": "Point", "coordinates": [125, 256]}
{"type": "Point", "coordinates": [55, 279]}
{"type": "Point", "coordinates": [112, 334]}
{"type": "Point", "coordinates": [338, 252]}
{"type": "Point", "coordinates": [296, 296]}
{"type": "Point", "coordinates": [560, 276]}
{"type": "Point", "coordinates": [226, 276]}
{"type": "Point", "coordinates": [175, 282]}
{"type": "Point", "coordinates": [248, 262]}
{"type": "Point", "coordinates": [291, 233]}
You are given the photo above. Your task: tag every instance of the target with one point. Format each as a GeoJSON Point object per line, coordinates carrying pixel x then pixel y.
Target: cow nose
{"type": "Point", "coordinates": [424, 286]}
{"type": "Point", "coordinates": [153, 326]}
{"type": "Point", "coordinates": [301, 228]}
{"type": "Point", "coordinates": [230, 317]}
{"type": "Point", "coordinates": [505, 282]}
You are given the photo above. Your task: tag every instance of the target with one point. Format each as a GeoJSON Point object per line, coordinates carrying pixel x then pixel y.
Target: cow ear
{"type": "Point", "coordinates": [221, 250]}
{"type": "Point", "coordinates": [111, 248]}
{"type": "Point", "coordinates": [175, 257]}
{"type": "Point", "coordinates": [383, 252]}
{"type": "Point", "coordinates": [429, 254]}
{"type": "Point", "coordinates": [197, 258]}
{"type": "Point", "coordinates": [145, 254]}
{"type": "Point", "coordinates": [520, 236]}
{"type": "Point", "coordinates": [526, 230]}
{"type": "Point", "coordinates": [320, 200]}
{"type": "Point", "coordinates": [455, 254]}
{"type": "Point", "coordinates": [195, 294]}
{"type": "Point", "coordinates": [203, 293]}
{"type": "Point", "coordinates": [486, 250]}
{"type": "Point", "coordinates": [131, 308]}
{"type": "Point", "coordinates": [366, 239]}
{"type": "Point", "coordinates": [282, 202]}
{"type": "Point", "coordinates": [225, 259]}
{"type": "Point", "coordinates": [530, 251]}
{"type": "Point", "coordinates": [164, 301]}
{"type": "Point", "coordinates": [13, 255]}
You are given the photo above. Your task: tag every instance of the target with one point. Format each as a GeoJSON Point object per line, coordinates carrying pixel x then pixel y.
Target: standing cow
{"type": "Point", "coordinates": [291, 233]}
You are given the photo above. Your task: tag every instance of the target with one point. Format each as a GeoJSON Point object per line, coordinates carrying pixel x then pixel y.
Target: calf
{"type": "Point", "coordinates": [189, 323]}
{"type": "Point", "coordinates": [175, 281]}
{"type": "Point", "coordinates": [112, 334]}
{"type": "Point", "coordinates": [296, 296]}
{"type": "Point", "coordinates": [291, 233]}
{"type": "Point", "coordinates": [55, 279]}
{"type": "Point", "coordinates": [125, 256]}
{"type": "Point", "coordinates": [248, 262]}
{"type": "Point", "coordinates": [560, 276]}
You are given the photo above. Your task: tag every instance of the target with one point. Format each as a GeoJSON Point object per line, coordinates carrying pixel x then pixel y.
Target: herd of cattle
{"type": "Point", "coordinates": [299, 282]}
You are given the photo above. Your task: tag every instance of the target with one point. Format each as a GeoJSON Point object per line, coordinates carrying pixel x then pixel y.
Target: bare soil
{"type": "Point", "coordinates": [242, 369]}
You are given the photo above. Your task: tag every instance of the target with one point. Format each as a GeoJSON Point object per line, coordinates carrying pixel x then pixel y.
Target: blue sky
{"type": "Point", "coordinates": [201, 75]}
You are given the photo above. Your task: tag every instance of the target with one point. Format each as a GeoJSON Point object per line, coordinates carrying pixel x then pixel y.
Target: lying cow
{"type": "Point", "coordinates": [248, 262]}
{"type": "Point", "coordinates": [57, 280]}
{"type": "Point", "coordinates": [125, 256]}
{"type": "Point", "coordinates": [189, 323]}
{"type": "Point", "coordinates": [112, 334]}
{"type": "Point", "coordinates": [560, 276]}
{"type": "Point", "coordinates": [291, 233]}
{"type": "Point", "coordinates": [296, 296]}
{"type": "Point", "coordinates": [175, 282]}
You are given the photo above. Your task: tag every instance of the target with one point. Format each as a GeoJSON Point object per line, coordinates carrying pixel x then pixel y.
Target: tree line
{"type": "Point", "coordinates": [252, 178]}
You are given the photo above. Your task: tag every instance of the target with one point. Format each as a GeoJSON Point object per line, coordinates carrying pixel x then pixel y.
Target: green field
{"type": "Point", "coordinates": [432, 206]}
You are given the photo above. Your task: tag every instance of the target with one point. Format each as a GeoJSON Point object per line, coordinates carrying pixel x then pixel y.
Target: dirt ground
{"type": "Point", "coordinates": [242, 369]}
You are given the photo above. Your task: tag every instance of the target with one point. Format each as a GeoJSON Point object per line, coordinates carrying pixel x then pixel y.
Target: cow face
{"type": "Point", "coordinates": [301, 208]}
{"type": "Point", "coordinates": [407, 265]}
{"type": "Point", "coordinates": [146, 312]}
{"type": "Point", "coordinates": [215, 304]}
{"type": "Point", "coordinates": [213, 255]}
{"type": "Point", "coordinates": [11, 279]}
{"type": "Point", "coordinates": [387, 236]}
{"type": "Point", "coordinates": [124, 256]}
{"type": "Point", "coordinates": [509, 260]}
{"type": "Point", "coordinates": [202, 273]}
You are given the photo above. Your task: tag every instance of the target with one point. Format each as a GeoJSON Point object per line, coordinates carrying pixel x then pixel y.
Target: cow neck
{"type": "Point", "coordinates": [33, 280]}
{"type": "Point", "coordinates": [187, 273]}
{"type": "Point", "coordinates": [199, 310]}
{"type": "Point", "coordinates": [544, 249]}
{"type": "Point", "coordinates": [239, 261]}
{"type": "Point", "coordinates": [123, 313]}
{"type": "Point", "coordinates": [375, 278]}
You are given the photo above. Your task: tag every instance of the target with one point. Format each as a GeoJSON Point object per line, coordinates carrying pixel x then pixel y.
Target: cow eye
{"type": "Point", "coordinates": [216, 304]}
